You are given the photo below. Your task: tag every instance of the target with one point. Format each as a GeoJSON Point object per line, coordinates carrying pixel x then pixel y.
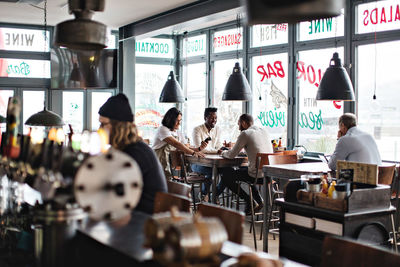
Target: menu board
{"type": "Point", "coordinates": [362, 172]}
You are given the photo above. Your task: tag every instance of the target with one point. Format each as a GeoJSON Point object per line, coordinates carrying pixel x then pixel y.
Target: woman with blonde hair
{"type": "Point", "coordinates": [116, 119]}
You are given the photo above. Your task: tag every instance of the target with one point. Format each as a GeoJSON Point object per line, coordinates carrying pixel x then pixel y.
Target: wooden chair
{"type": "Point", "coordinates": [164, 201]}
{"type": "Point", "coordinates": [338, 251]}
{"type": "Point", "coordinates": [179, 188]}
{"type": "Point", "coordinates": [386, 174]}
{"type": "Point", "coordinates": [232, 220]}
{"type": "Point", "coordinates": [177, 164]}
{"type": "Point", "coordinates": [289, 152]}
{"type": "Point", "coordinates": [282, 159]}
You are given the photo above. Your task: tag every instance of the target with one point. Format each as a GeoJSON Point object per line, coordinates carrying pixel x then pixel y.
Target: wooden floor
{"type": "Point", "coordinates": [273, 245]}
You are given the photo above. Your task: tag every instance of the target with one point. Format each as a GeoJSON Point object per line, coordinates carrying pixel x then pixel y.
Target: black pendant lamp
{"type": "Point", "coordinates": [45, 118]}
{"type": "Point", "coordinates": [172, 91]}
{"type": "Point", "coordinates": [82, 33]}
{"type": "Point", "coordinates": [76, 75]}
{"type": "Point", "coordinates": [291, 11]}
{"type": "Point", "coordinates": [336, 83]}
{"type": "Point", "coordinates": [237, 88]}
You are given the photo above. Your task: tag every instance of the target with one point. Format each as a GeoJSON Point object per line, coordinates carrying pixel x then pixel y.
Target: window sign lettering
{"type": "Point", "coordinates": [155, 47]}
{"type": "Point", "coordinates": [228, 40]}
{"type": "Point", "coordinates": [321, 28]}
{"type": "Point", "coordinates": [317, 120]}
{"type": "Point", "coordinates": [194, 46]}
{"type": "Point", "coordinates": [269, 34]}
{"type": "Point", "coordinates": [24, 68]}
{"type": "Point", "coordinates": [270, 93]}
{"type": "Point", "coordinates": [378, 16]}
{"type": "Point", "coordinates": [12, 39]}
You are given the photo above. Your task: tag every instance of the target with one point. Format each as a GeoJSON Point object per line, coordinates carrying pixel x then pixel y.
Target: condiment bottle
{"type": "Point", "coordinates": [331, 189]}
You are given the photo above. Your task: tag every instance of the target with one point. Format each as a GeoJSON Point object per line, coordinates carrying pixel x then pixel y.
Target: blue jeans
{"type": "Point", "coordinates": [207, 172]}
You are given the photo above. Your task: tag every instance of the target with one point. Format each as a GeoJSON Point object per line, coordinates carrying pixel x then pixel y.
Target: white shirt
{"type": "Point", "coordinates": [357, 146]}
{"type": "Point", "coordinates": [254, 140]}
{"type": "Point", "coordinates": [162, 133]}
{"type": "Point", "coordinates": [200, 133]}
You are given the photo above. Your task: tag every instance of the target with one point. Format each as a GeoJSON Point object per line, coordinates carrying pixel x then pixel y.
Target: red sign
{"type": "Point", "coordinates": [227, 40]}
{"type": "Point", "coordinates": [382, 15]}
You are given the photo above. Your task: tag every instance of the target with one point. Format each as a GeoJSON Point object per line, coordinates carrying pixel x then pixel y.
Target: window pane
{"type": "Point", "coordinates": [14, 39]}
{"type": "Point", "coordinates": [149, 81]}
{"type": "Point", "coordinates": [24, 68]}
{"type": "Point", "coordinates": [33, 102]}
{"type": "Point", "coordinates": [194, 80]}
{"type": "Point", "coordinates": [318, 120]}
{"type": "Point", "coordinates": [73, 110]}
{"type": "Point", "coordinates": [4, 96]}
{"type": "Point", "coordinates": [228, 111]}
{"type": "Point", "coordinates": [194, 46]}
{"type": "Point", "coordinates": [155, 47]}
{"type": "Point", "coordinates": [269, 34]}
{"type": "Point", "coordinates": [98, 99]}
{"type": "Point", "coordinates": [380, 117]}
{"type": "Point", "coordinates": [270, 82]}
{"type": "Point", "coordinates": [228, 40]}
{"type": "Point", "coordinates": [378, 16]}
{"type": "Point", "coordinates": [321, 28]}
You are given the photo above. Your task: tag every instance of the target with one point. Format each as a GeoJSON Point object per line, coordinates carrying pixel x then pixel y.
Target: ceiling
{"type": "Point", "coordinates": [117, 13]}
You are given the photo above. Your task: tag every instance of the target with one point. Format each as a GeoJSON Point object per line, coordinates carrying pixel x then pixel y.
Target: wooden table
{"type": "Point", "coordinates": [215, 161]}
{"type": "Point", "coordinates": [287, 172]}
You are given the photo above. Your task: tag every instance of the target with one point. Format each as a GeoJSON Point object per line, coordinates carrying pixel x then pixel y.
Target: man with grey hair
{"type": "Point", "coordinates": [354, 144]}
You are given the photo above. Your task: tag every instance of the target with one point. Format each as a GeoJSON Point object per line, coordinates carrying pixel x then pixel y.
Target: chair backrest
{"type": "Point", "coordinates": [282, 159]}
{"type": "Point", "coordinates": [338, 251]}
{"type": "Point", "coordinates": [232, 220]}
{"type": "Point", "coordinates": [176, 164]}
{"type": "Point", "coordinates": [386, 174]}
{"type": "Point", "coordinates": [289, 152]}
{"type": "Point", "coordinates": [164, 201]}
{"type": "Point", "coordinates": [179, 188]}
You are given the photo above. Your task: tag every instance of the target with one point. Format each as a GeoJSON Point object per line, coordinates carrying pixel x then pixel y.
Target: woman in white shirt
{"type": "Point", "coordinates": [168, 138]}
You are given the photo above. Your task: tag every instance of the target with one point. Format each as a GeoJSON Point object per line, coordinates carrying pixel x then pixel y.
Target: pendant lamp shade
{"type": "Point", "coordinates": [172, 91]}
{"type": "Point", "coordinates": [82, 33]}
{"type": "Point", "coordinates": [237, 87]}
{"type": "Point", "coordinates": [75, 73]}
{"type": "Point", "coordinates": [336, 83]}
{"type": "Point", "coordinates": [291, 11]}
{"type": "Point", "coordinates": [45, 118]}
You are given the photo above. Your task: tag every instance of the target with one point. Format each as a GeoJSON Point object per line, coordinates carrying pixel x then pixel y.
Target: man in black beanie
{"type": "Point", "coordinates": [117, 119]}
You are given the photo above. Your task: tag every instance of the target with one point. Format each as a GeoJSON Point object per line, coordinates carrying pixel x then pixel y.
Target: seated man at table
{"type": "Point", "coordinates": [354, 144]}
{"type": "Point", "coordinates": [206, 138]}
{"type": "Point", "coordinates": [254, 140]}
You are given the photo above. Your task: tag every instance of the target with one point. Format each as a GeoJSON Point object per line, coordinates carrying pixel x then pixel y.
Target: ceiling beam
{"type": "Point", "coordinates": [186, 16]}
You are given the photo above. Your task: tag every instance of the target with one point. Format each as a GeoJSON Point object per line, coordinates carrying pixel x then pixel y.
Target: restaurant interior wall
{"type": "Point", "coordinates": [285, 74]}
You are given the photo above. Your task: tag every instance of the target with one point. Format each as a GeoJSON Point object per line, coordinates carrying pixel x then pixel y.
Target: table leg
{"type": "Point", "coordinates": [214, 183]}
{"type": "Point", "coordinates": [265, 219]}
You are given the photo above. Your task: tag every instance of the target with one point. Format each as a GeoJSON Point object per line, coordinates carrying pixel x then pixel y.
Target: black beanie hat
{"type": "Point", "coordinates": [117, 108]}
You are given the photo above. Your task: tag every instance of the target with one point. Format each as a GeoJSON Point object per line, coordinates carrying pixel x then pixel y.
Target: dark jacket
{"type": "Point", "coordinates": [153, 176]}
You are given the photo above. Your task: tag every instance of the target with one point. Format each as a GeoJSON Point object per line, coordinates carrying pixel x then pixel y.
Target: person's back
{"type": "Point", "coordinates": [356, 146]}
{"type": "Point", "coordinates": [362, 147]}
{"type": "Point", "coordinates": [153, 177]}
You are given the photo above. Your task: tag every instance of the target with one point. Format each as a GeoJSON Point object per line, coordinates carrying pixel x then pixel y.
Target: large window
{"type": "Point", "coordinates": [318, 120]}
{"type": "Point", "coordinates": [228, 111]}
{"type": "Point", "coordinates": [270, 93]}
{"type": "Point", "coordinates": [377, 73]}
{"type": "Point", "coordinates": [149, 81]}
{"type": "Point", "coordinates": [194, 83]}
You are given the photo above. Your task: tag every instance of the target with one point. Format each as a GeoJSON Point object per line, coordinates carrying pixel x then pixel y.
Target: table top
{"type": "Point", "coordinates": [214, 159]}
{"type": "Point", "coordinates": [295, 170]}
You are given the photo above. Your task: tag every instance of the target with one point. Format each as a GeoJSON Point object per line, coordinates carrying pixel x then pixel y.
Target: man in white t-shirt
{"type": "Point", "coordinates": [206, 138]}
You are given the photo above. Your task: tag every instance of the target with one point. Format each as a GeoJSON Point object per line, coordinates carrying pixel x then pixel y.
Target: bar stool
{"type": "Point", "coordinates": [273, 216]}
